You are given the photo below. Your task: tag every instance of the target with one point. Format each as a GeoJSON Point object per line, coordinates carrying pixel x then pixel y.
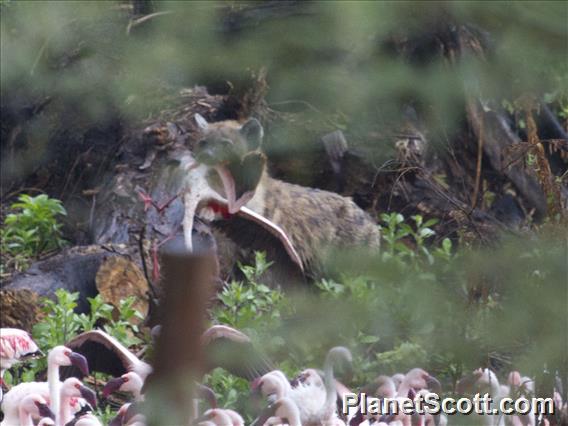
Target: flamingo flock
{"type": "Point", "coordinates": [313, 398]}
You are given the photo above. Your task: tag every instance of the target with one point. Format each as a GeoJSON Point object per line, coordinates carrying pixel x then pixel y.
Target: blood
{"type": "Point", "coordinates": [220, 209]}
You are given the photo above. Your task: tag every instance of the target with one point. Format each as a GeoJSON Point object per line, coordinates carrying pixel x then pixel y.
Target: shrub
{"type": "Point", "coordinates": [35, 228]}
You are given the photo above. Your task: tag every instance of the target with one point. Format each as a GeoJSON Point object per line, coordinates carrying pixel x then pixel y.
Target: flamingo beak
{"type": "Point", "coordinates": [120, 418]}
{"type": "Point", "coordinates": [117, 420]}
{"type": "Point", "coordinates": [433, 384]}
{"type": "Point", "coordinates": [132, 410]}
{"type": "Point", "coordinates": [88, 395]}
{"type": "Point", "coordinates": [207, 394]}
{"type": "Point", "coordinates": [112, 386]}
{"type": "Point", "coordinates": [267, 413]}
{"type": "Point", "coordinates": [255, 387]}
{"type": "Point", "coordinates": [80, 362]}
{"type": "Point", "coordinates": [255, 384]}
{"type": "Point", "coordinates": [44, 410]}
{"type": "Point", "coordinates": [411, 394]}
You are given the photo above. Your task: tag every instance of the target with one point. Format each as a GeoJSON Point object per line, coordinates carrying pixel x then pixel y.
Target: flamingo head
{"type": "Point", "coordinates": [340, 356]}
{"type": "Point", "coordinates": [397, 379]}
{"type": "Point", "coordinates": [256, 385]}
{"type": "Point", "coordinates": [272, 383]}
{"type": "Point", "coordinates": [119, 419]}
{"type": "Point", "coordinates": [284, 408]}
{"type": "Point", "coordinates": [36, 405]}
{"type": "Point", "coordinates": [207, 394]}
{"type": "Point", "coordinates": [72, 387]}
{"type": "Point", "coordinates": [114, 385]}
{"type": "Point", "coordinates": [419, 379]}
{"type": "Point", "coordinates": [129, 382]}
{"type": "Point", "coordinates": [514, 379]}
{"type": "Point", "coordinates": [61, 355]}
{"type": "Point", "coordinates": [214, 415]}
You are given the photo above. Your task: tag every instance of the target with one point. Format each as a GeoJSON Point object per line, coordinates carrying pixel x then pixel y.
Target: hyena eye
{"type": "Point", "coordinates": [226, 142]}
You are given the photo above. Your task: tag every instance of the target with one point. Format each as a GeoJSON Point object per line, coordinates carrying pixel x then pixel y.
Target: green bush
{"type": "Point", "coordinates": [35, 228]}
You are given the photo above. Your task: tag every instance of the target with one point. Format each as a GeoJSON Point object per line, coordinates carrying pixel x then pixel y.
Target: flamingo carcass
{"type": "Point", "coordinates": [242, 225]}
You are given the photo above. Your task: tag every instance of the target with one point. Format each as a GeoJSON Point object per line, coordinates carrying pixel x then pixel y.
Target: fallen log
{"type": "Point", "coordinates": [74, 269]}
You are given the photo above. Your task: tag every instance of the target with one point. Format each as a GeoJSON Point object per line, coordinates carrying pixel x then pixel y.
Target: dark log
{"type": "Point", "coordinates": [74, 270]}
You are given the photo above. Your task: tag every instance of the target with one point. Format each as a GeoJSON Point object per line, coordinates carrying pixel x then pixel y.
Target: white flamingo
{"type": "Point", "coordinates": [314, 397]}
{"type": "Point", "coordinates": [15, 345]}
{"type": "Point", "coordinates": [284, 411]}
{"type": "Point", "coordinates": [58, 356]}
{"type": "Point", "coordinates": [417, 379]}
{"type": "Point", "coordinates": [129, 382]}
{"type": "Point", "coordinates": [216, 416]}
{"type": "Point", "coordinates": [33, 405]}
{"type": "Point", "coordinates": [85, 420]}
{"type": "Point", "coordinates": [72, 388]}
{"type": "Point", "coordinates": [273, 385]}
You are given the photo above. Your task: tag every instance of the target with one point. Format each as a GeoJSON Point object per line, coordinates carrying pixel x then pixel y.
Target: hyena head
{"type": "Point", "coordinates": [232, 152]}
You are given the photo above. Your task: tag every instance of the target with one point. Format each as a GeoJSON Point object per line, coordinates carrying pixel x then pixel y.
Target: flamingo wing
{"type": "Point", "coordinates": [232, 350]}
{"type": "Point", "coordinates": [104, 354]}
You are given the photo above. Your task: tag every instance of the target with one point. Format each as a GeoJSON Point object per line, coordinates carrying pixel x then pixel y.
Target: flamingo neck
{"type": "Point", "coordinates": [281, 387]}
{"type": "Point", "coordinates": [293, 415]}
{"type": "Point", "coordinates": [138, 395]}
{"type": "Point", "coordinates": [25, 418]}
{"type": "Point", "coordinates": [403, 389]}
{"type": "Point", "coordinates": [294, 418]}
{"type": "Point", "coordinates": [329, 382]}
{"type": "Point", "coordinates": [64, 411]}
{"type": "Point", "coordinates": [54, 386]}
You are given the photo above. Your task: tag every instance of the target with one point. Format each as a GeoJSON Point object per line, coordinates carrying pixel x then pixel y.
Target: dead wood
{"type": "Point", "coordinates": [118, 278]}
{"type": "Point", "coordinates": [75, 270]}
{"type": "Point", "coordinates": [19, 309]}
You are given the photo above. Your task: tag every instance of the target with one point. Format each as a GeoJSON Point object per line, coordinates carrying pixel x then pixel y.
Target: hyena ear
{"type": "Point", "coordinates": [201, 122]}
{"type": "Point", "coordinates": [253, 132]}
